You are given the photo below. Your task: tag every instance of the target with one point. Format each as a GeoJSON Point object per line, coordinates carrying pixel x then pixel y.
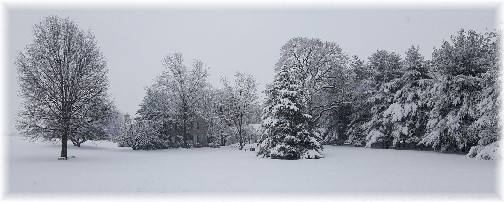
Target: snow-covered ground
{"type": "Point", "coordinates": [102, 168]}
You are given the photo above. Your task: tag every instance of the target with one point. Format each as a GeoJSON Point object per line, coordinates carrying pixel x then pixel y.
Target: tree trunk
{"type": "Point", "coordinates": [222, 140]}
{"type": "Point", "coordinates": [184, 131]}
{"type": "Point", "coordinates": [240, 131]}
{"type": "Point", "coordinates": [185, 117]}
{"type": "Point", "coordinates": [76, 142]}
{"type": "Point", "coordinates": [64, 140]}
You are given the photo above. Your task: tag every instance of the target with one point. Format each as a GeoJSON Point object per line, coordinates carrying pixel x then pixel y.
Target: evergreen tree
{"type": "Point", "coordinates": [459, 67]}
{"type": "Point", "coordinates": [408, 113]}
{"type": "Point", "coordinates": [288, 131]}
{"type": "Point", "coordinates": [387, 69]}
{"type": "Point", "coordinates": [486, 126]}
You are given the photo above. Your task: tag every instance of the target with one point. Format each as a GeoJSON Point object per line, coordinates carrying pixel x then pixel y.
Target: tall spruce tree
{"type": "Point", "coordinates": [288, 131]}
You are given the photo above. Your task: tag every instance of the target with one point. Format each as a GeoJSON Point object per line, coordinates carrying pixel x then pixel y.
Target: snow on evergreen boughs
{"type": "Point", "coordinates": [373, 137]}
{"type": "Point", "coordinates": [449, 103]}
{"type": "Point", "coordinates": [488, 152]}
{"type": "Point", "coordinates": [407, 114]}
{"type": "Point", "coordinates": [288, 133]}
{"type": "Point", "coordinates": [486, 127]}
{"type": "Point", "coordinates": [460, 66]}
{"type": "Point", "coordinates": [386, 82]}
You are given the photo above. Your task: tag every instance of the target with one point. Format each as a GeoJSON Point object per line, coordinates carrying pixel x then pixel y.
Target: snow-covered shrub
{"type": "Point", "coordinates": [235, 145]}
{"type": "Point", "coordinates": [312, 154]}
{"type": "Point", "coordinates": [146, 136]}
{"type": "Point", "coordinates": [374, 137]}
{"type": "Point", "coordinates": [214, 144]}
{"type": "Point", "coordinates": [488, 152]}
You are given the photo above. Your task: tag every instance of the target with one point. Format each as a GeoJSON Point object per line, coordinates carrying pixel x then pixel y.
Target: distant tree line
{"type": "Point", "coordinates": [181, 109]}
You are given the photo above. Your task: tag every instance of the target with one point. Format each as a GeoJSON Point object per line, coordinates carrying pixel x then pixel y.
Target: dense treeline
{"type": "Point", "coordinates": [319, 96]}
{"type": "Point", "coordinates": [448, 104]}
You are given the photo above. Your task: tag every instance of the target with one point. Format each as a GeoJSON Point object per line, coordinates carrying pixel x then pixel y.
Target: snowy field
{"type": "Point", "coordinates": [102, 167]}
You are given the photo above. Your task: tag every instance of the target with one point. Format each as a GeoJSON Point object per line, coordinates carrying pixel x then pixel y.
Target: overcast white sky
{"type": "Point", "coordinates": [135, 41]}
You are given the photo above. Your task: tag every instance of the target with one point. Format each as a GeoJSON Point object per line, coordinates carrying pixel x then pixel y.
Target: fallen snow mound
{"type": "Point", "coordinates": [489, 152]}
{"type": "Point", "coordinates": [312, 154]}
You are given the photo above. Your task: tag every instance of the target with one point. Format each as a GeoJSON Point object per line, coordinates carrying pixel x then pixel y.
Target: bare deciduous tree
{"type": "Point", "coordinates": [320, 66]}
{"type": "Point", "coordinates": [63, 81]}
{"type": "Point", "coordinates": [240, 100]}
{"type": "Point", "coordinates": [188, 87]}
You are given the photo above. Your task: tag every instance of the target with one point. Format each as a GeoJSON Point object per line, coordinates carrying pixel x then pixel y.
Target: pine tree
{"type": "Point", "coordinates": [459, 67]}
{"type": "Point", "coordinates": [288, 131]}
{"type": "Point", "coordinates": [408, 113]}
{"type": "Point", "coordinates": [387, 69]}
{"type": "Point", "coordinates": [486, 126]}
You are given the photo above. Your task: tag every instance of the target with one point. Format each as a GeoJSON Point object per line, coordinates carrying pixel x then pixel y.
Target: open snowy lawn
{"type": "Point", "coordinates": [104, 168]}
